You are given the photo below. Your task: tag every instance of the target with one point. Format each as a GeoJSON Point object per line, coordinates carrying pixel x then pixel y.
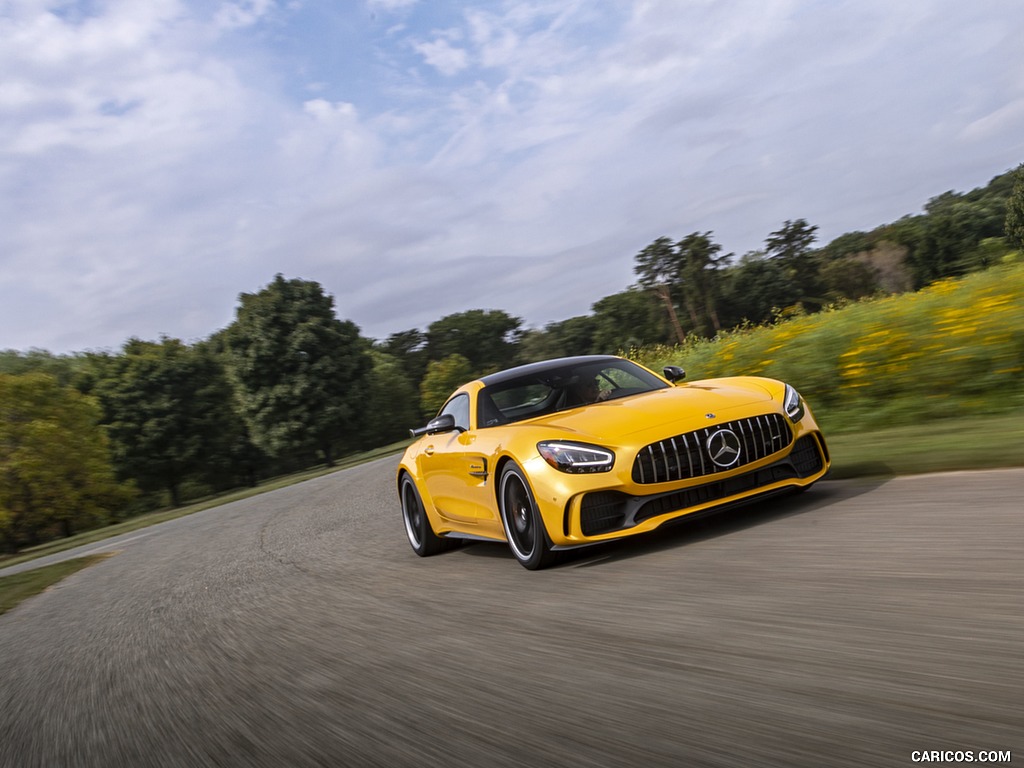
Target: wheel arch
{"type": "Point", "coordinates": [425, 498]}
{"type": "Point", "coordinates": [499, 468]}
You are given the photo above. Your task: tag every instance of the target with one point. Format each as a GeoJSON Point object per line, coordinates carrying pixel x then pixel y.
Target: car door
{"type": "Point", "coordinates": [457, 473]}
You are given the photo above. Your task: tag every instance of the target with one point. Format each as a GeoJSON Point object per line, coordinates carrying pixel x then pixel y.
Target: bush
{"type": "Point", "coordinates": [954, 348]}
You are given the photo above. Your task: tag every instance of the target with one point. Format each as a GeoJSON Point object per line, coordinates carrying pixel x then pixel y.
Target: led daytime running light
{"type": "Point", "coordinates": [793, 404]}
{"type": "Point", "coordinates": [576, 458]}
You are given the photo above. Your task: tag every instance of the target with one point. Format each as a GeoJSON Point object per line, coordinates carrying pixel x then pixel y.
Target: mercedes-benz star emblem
{"type": "Point", "coordinates": [724, 447]}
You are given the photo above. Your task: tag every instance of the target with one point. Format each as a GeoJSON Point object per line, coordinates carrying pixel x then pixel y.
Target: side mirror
{"type": "Point", "coordinates": [674, 373]}
{"type": "Point", "coordinates": [443, 423]}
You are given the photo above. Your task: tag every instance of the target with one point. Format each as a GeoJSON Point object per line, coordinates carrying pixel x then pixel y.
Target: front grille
{"type": "Point", "coordinates": [687, 456]}
{"type": "Point", "coordinates": [804, 461]}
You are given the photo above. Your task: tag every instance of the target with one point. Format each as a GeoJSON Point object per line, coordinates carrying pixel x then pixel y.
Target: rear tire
{"type": "Point", "coordinates": [421, 535]}
{"type": "Point", "coordinates": [524, 528]}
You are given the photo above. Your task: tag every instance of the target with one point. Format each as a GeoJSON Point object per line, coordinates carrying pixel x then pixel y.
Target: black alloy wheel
{"type": "Point", "coordinates": [421, 535]}
{"type": "Point", "coordinates": [524, 529]}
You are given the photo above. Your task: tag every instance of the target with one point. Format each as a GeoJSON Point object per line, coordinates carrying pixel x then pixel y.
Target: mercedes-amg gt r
{"type": "Point", "coordinates": [571, 452]}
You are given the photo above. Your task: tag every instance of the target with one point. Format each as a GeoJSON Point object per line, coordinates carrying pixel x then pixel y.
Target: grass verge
{"type": "Point", "coordinates": [21, 586]}
{"type": "Point", "coordinates": [946, 445]}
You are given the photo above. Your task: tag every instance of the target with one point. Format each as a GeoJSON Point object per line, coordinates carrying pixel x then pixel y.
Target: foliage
{"type": "Point", "coordinates": [391, 402]}
{"type": "Point", "coordinates": [169, 411]}
{"type": "Point", "coordinates": [564, 338]}
{"type": "Point", "coordinates": [1014, 222]}
{"type": "Point", "coordinates": [299, 370]}
{"type": "Point", "coordinates": [848, 244]}
{"type": "Point", "coordinates": [55, 466]}
{"type": "Point", "coordinates": [791, 247]}
{"type": "Point", "coordinates": [700, 263]}
{"type": "Point", "coordinates": [687, 271]}
{"type": "Point", "coordinates": [792, 241]}
{"type": "Point", "coordinates": [486, 338]}
{"type": "Point", "coordinates": [443, 377]}
{"type": "Point", "coordinates": [955, 348]}
{"type": "Point", "coordinates": [409, 349]}
{"type": "Point", "coordinates": [62, 367]}
{"type": "Point", "coordinates": [657, 267]}
{"type": "Point", "coordinates": [849, 278]}
{"type": "Point", "coordinates": [755, 290]}
{"type": "Point", "coordinates": [623, 320]}
{"type": "Point", "coordinates": [952, 230]}
{"type": "Point", "coordinates": [944, 239]}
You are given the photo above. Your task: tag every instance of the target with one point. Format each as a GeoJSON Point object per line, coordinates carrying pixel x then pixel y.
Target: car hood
{"type": "Point", "coordinates": [666, 411]}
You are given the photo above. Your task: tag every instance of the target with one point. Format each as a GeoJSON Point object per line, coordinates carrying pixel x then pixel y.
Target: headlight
{"type": "Point", "coordinates": [793, 404]}
{"type": "Point", "coordinates": [577, 458]}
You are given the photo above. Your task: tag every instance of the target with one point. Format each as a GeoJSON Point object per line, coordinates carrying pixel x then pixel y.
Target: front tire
{"type": "Point", "coordinates": [524, 528]}
{"type": "Point", "coordinates": [421, 534]}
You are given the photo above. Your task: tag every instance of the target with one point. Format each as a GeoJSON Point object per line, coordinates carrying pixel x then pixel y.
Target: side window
{"type": "Point", "coordinates": [458, 407]}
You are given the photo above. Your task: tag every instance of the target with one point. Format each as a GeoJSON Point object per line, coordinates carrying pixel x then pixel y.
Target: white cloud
{"type": "Point", "coordinates": [443, 56]}
{"type": "Point", "coordinates": [235, 15]}
{"type": "Point", "coordinates": [391, 5]}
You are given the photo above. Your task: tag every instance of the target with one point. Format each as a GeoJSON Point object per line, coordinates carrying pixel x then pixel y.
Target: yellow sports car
{"type": "Point", "coordinates": [575, 451]}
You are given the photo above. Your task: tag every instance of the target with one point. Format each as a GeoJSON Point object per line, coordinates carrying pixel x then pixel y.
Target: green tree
{"type": "Point", "coordinates": [849, 278]}
{"type": "Point", "coordinates": [906, 232]}
{"type": "Point", "coordinates": [563, 338]}
{"type": "Point", "coordinates": [443, 377]}
{"type": "Point", "coordinates": [488, 339]}
{"type": "Point", "coordinates": [1014, 223]}
{"type": "Point", "coordinates": [300, 371]}
{"type": "Point", "coordinates": [658, 267]}
{"type": "Point", "coordinates": [791, 246]}
{"type": "Point", "coordinates": [847, 244]}
{"type": "Point", "coordinates": [409, 348]}
{"type": "Point", "coordinates": [952, 229]}
{"type": "Point", "coordinates": [756, 287]}
{"type": "Point", "coordinates": [55, 466]}
{"type": "Point", "coordinates": [63, 368]}
{"type": "Point", "coordinates": [169, 411]}
{"type": "Point", "coordinates": [625, 320]}
{"type": "Point", "coordinates": [699, 265]}
{"type": "Point", "coordinates": [792, 242]}
{"type": "Point", "coordinates": [392, 403]}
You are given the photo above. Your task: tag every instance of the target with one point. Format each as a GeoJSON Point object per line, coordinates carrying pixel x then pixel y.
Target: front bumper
{"type": "Point", "coordinates": [604, 514]}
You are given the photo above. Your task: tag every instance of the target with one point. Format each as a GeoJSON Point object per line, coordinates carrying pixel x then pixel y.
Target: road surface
{"type": "Point", "coordinates": [855, 625]}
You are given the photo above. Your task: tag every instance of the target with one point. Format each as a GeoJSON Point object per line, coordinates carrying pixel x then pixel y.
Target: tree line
{"type": "Point", "coordinates": [90, 438]}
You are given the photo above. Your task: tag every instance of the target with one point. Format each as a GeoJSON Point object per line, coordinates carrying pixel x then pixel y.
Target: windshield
{"type": "Point", "coordinates": [560, 388]}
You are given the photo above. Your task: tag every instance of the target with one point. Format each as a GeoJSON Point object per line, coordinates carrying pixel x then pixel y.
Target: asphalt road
{"type": "Point", "coordinates": [850, 626]}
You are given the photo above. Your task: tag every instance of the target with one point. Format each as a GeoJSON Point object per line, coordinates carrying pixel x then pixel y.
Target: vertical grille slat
{"type": "Point", "coordinates": [759, 428]}
{"type": "Point", "coordinates": [700, 450]}
{"type": "Point", "coordinates": [745, 439]}
{"type": "Point", "coordinates": [757, 438]}
{"type": "Point", "coordinates": [675, 452]}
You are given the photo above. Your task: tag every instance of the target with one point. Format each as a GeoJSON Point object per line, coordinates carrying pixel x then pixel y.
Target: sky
{"type": "Point", "coordinates": [419, 158]}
